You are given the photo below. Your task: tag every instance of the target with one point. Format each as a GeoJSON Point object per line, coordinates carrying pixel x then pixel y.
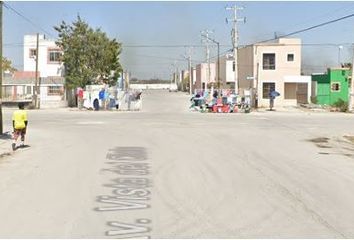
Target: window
{"type": "Point", "coordinates": [267, 88]}
{"type": "Point", "coordinates": [233, 66]}
{"type": "Point", "coordinates": [54, 55]}
{"type": "Point", "coordinates": [7, 91]}
{"type": "Point", "coordinates": [55, 90]}
{"type": "Point", "coordinates": [290, 57]}
{"type": "Point", "coordinates": [29, 90]}
{"type": "Point", "coordinates": [32, 53]}
{"type": "Point", "coordinates": [268, 61]}
{"type": "Point", "coordinates": [335, 87]}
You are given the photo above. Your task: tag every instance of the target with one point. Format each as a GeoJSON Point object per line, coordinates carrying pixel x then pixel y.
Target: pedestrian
{"type": "Point", "coordinates": [215, 94]}
{"type": "Point", "coordinates": [272, 95]}
{"type": "Point", "coordinates": [101, 94]}
{"type": "Point", "coordinates": [80, 96]}
{"type": "Point", "coordinates": [19, 123]}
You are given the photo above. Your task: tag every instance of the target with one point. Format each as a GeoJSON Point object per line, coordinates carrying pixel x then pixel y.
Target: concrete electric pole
{"type": "Point", "coordinates": [1, 70]}
{"type": "Point", "coordinates": [234, 35]}
{"type": "Point", "coordinates": [351, 90]}
{"type": "Point", "coordinates": [190, 73]}
{"type": "Point", "coordinates": [36, 74]}
{"type": "Point", "coordinates": [188, 57]}
{"type": "Point", "coordinates": [218, 61]}
{"type": "Point", "coordinates": [206, 33]}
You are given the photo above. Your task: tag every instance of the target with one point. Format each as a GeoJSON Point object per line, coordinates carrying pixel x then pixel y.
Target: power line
{"type": "Point", "coordinates": [304, 30]}
{"type": "Point", "coordinates": [169, 46]}
{"type": "Point", "coordinates": [149, 56]}
{"type": "Point", "coordinates": [27, 19]}
{"type": "Point", "coordinates": [288, 44]}
{"type": "Point", "coordinates": [330, 13]}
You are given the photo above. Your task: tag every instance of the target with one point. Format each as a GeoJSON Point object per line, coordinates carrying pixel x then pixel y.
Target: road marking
{"type": "Point", "coordinates": [130, 191]}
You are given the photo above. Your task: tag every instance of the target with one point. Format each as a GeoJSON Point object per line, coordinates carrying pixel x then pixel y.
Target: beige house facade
{"type": "Point", "coordinates": [275, 66]}
{"type": "Point", "coordinates": [227, 71]}
{"type": "Point", "coordinates": [202, 78]}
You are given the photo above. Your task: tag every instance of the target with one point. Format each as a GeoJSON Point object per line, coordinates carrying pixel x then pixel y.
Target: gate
{"type": "Point", "coordinates": [301, 93]}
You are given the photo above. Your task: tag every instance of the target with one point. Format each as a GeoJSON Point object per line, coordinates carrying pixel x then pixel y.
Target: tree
{"type": "Point", "coordinates": [186, 83]}
{"type": "Point", "coordinates": [7, 65]}
{"type": "Point", "coordinates": [89, 56]}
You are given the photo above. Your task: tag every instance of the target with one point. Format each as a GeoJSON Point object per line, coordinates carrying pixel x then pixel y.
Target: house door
{"type": "Point", "coordinates": [301, 93]}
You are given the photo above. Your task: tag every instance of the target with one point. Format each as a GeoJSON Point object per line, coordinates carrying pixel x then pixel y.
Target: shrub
{"type": "Point", "coordinates": [341, 105]}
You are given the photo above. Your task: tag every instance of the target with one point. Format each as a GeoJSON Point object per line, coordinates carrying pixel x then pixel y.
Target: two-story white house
{"type": "Point", "coordinates": [48, 56]}
{"type": "Point", "coordinates": [264, 67]}
{"type": "Point", "coordinates": [50, 72]}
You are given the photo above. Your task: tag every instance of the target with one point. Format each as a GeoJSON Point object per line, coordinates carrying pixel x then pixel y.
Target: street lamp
{"type": "Point", "coordinates": [339, 49]}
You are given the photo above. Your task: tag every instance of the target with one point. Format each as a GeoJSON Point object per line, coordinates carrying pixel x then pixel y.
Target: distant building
{"type": "Point", "coordinates": [331, 86]}
{"type": "Point", "coordinates": [227, 71]}
{"type": "Point", "coordinates": [202, 75]}
{"type": "Point", "coordinates": [21, 89]}
{"type": "Point", "coordinates": [48, 56]}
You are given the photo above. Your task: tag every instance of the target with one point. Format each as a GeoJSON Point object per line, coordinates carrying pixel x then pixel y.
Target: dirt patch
{"type": "Point", "coordinates": [349, 138]}
{"type": "Point", "coordinates": [339, 146]}
{"type": "Point", "coordinates": [323, 146]}
{"type": "Point", "coordinates": [319, 140]}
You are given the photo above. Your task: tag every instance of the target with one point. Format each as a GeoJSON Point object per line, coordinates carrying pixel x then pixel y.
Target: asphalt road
{"type": "Point", "coordinates": [166, 172]}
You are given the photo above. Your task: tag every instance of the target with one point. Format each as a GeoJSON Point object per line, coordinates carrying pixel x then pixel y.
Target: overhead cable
{"type": "Point", "coordinates": [27, 19]}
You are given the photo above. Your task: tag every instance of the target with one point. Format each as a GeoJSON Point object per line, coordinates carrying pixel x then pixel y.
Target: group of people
{"type": "Point", "coordinates": [106, 98]}
{"type": "Point", "coordinates": [205, 99]}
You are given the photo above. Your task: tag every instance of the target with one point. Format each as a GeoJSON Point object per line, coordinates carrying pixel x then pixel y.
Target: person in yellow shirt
{"type": "Point", "coordinates": [19, 123]}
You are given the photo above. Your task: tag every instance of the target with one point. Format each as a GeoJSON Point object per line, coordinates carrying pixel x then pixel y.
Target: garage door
{"type": "Point", "coordinates": [301, 93]}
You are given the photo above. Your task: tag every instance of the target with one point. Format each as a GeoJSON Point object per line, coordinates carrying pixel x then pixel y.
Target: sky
{"type": "Point", "coordinates": [148, 29]}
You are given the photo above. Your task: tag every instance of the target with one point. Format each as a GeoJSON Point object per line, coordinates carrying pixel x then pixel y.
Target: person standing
{"type": "Point", "coordinates": [101, 97]}
{"type": "Point", "coordinates": [272, 95]}
{"type": "Point", "coordinates": [19, 123]}
{"type": "Point", "coordinates": [80, 96]}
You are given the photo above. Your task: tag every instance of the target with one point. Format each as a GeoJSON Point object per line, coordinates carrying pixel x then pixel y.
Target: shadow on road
{"type": "Point", "coordinates": [6, 135]}
{"type": "Point", "coordinates": [22, 147]}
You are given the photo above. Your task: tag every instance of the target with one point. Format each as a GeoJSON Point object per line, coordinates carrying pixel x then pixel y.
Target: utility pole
{"type": "Point", "coordinates": [36, 74]}
{"type": "Point", "coordinates": [189, 58]}
{"type": "Point", "coordinates": [1, 70]}
{"type": "Point", "coordinates": [234, 35]}
{"type": "Point", "coordinates": [351, 90]}
{"type": "Point", "coordinates": [205, 33]}
{"type": "Point", "coordinates": [218, 44]}
{"type": "Point", "coordinates": [174, 76]}
{"type": "Point", "coordinates": [190, 73]}
{"type": "Point", "coordinates": [176, 72]}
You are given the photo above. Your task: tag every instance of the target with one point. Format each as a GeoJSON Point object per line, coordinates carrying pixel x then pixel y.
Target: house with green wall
{"type": "Point", "coordinates": [331, 86]}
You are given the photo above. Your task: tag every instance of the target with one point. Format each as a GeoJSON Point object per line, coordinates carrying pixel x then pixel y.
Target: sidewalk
{"type": "Point", "coordinates": [5, 145]}
{"type": "Point", "coordinates": [292, 109]}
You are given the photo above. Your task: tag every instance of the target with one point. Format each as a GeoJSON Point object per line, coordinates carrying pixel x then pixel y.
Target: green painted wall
{"type": "Point", "coordinates": [325, 94]}
{"type": "Point", "coordinates": [341, 77]}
